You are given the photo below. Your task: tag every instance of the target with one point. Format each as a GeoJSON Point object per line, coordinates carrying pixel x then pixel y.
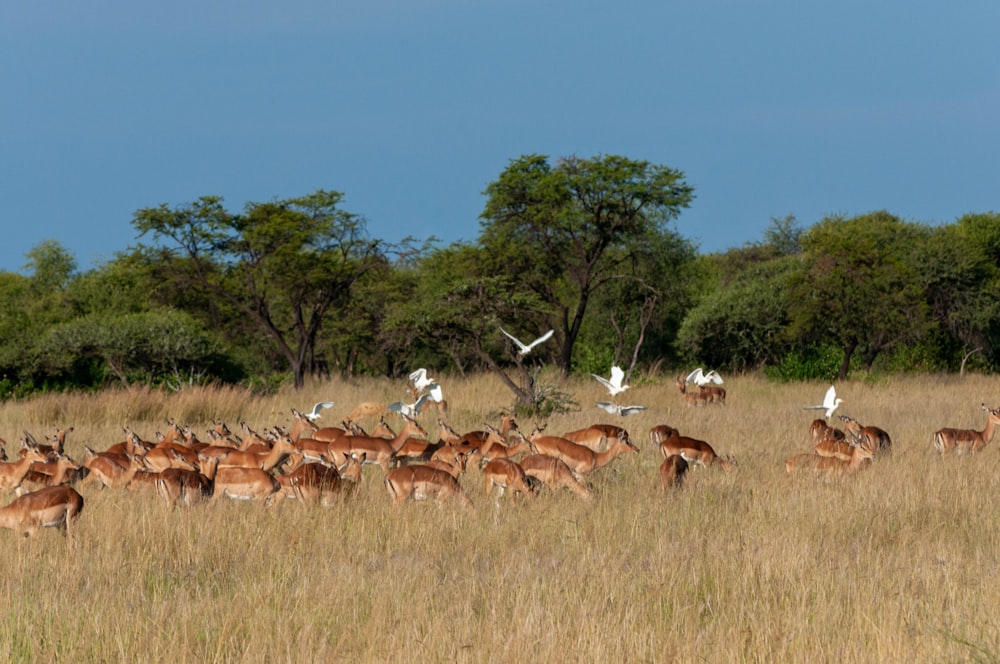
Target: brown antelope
{"type": "Point", "coordinates": [821, 432]}
{"type": "Point", "coordinates": [282, 447]}
{"type": "Point", "coordinates": [64, 471]}
{"type": "Point", "coordinates": [108, 469]}
{"type": "Point", "coordinates": [693, 450]}
{"type": "Point", "coordinates": [177, 485]}
{"type": "Point", "coordinates": [497, 448]}
{"type": "Point", "coordinates": [579, 458]}
{"type": "Point", "coordinates": [241, 483]}
{"type": "Point", "coordinates": [376, 450]}
{"type": "Point", "coordinates": [505, 474]}
{"type": "Point", "coordinates": [691, 398]}
{"type": "Point", "coordinates": [318, 483]}
{"type": "Point", "coordinates": [672, 471]}
{"type": "Point", "coordinates": [554, 473]}
{"type": "Point", "coordinates": [873, 438]}
{"type": "Point", "coordinates": [829, 466]}
{"type": "Point", "coordinates": [54, 450]}
{"type": "Point", "coordinates": [54, 506]}
{"type": "Point", "coordinates": [13, 472]}
{"type": "Point", "coordinates": [597, 435]}
{"type": "Point", "coordinates": [967, 441]}
{"type": "Point", "coordinates": [424, 483]}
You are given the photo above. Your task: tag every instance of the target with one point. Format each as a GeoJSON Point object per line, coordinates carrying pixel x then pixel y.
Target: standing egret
{"type": "Point", "coordinates": [524, 349]}
{"type": "Point", "coordinates": [830, 402]}
{"type": "Point", "coordinates": [614, 385]}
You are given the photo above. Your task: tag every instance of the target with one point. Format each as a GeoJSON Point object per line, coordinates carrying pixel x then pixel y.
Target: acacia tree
{"type": "Point", "coordinates": [564, 231]}
{"type": "Point", "coordinates": [284, 265]}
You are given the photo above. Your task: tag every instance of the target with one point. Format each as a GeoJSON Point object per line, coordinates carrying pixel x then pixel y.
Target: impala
{"type": "Point", "coordinates": [50, 452]}
{"type": "Point", "coordinates": [54, 506]}
{"type": "Point", "coordinates": [63, 472]}
{"type": "Point", "coordinates": [691, 398]}
{"type": "Point", "coordinates": [597, 436]}
{"type": "Point", "coordinates": [821, 432]}
{"type": "Point", "coordinates": [13, 472]}
{"type": "Point", "coordinates": [109, 469]}
{"type": "Point", "coordinates": [580, 459]}
{"type": "Point", "coordinates": [497, 448]}
{"type": "Point", "coordinates": [693, 451]}
{"type": "Point", "coordinates": [177, 485]}
{"type": "Point", "coordinates": [840, 448]}
{"type": "Point", "coordinates": [376, 450]}
{"type": "Point", "coordinates": [505, 474]}
{"type": "Point", "coordinates": [672, 471]}
{"type": "Point", "coordinates": [424, 483]}
{"type": "Point", "coordinates": [829, 466]}
{"type": "Point", "coordinates": [168, 454]}
{"type": "Point", "coordinates": [964, 441]}
{"type": "Point", "coordinates": [873, 438]}
{"type": "Point", "coordinates": [318, 483]}
{"type": "Point", "coordinates": [244, 484]}
{"type": "Point", "coordinates": [554, 473]}
{"type": "Point", "coordinates": [282, 447]}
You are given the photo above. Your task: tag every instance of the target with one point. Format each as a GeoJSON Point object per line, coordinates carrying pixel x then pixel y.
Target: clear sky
{"type": "Point", "coordinates": [411, 107]}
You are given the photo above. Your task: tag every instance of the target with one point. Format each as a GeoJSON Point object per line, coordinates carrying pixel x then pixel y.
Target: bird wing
{"type": "Point", "coordinates": [318, 407]}
{"type": "Point", "coordinates": [617, 376]}
{"type": "Point", "coordinates": [830, 398]}
{"type": "Point", "coordinates": [714, 376]}
{"type": "Point", "coordinates": [396, 406]}
{"type": "Point", "coordinates": [542, 339]}
{"type": "Point", "coordinates": [694, 376]}
{"type": "Point", "coordinates": [605, 382]}
{"type": "Point", "coordinates": [608, 406]}
{"type": "Point", "coordinates": [632, 410]}
{"type": "Point", "coordinates": [419, 405]}
{"type": "Point", "coordinates": [434, 390]}
{"type": "Point", "coordinates": [419, 376]}
{"type": "Point", "coordinates": [513, 338]}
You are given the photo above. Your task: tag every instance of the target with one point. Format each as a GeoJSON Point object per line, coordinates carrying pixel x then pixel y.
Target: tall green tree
{"type": "Point", "coordinates": [859, 289]}
{"type": "Point", "coordinates": [563, 231]}
{"type": "Point", "coordinates": [285, 266]}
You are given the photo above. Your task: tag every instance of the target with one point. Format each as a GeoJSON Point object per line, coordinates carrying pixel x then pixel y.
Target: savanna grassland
{"type": "Point", "coordinates": [896, 564]}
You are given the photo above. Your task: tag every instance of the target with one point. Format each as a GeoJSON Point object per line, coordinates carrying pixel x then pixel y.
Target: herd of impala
{"type": "Point", "coordinates": [312, 464]}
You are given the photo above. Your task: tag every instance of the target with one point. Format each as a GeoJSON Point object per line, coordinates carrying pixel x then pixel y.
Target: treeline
{"type": "Point", "coordinates": [291, 288]}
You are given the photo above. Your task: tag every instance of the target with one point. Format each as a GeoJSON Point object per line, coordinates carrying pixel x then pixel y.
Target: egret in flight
{"type": "Point", "coordinates": [701, 379]}
{"type": "Point", "coordinates": [409, 409]}
{"type": "Point", "coordinates": [614, 385]}
{"type": "Point", "coordinates": [420, 379]}
{"type": "Point", "coordinates": [830, 402]}
{"type": "Point", "coordinates": [314, 415]}
{"type": "Point", "coordinates": [615, 409]}
{"type": "Point", "coordinates": [524, 349]}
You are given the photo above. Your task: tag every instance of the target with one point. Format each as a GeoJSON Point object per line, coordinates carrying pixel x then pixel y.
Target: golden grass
{"type": "Point", "coordinates": [895, 564]}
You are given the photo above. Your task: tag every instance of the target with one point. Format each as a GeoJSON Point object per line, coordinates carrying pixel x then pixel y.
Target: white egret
{"type": "Point", "coordinates": [315, 414]}
{"type": "Point", "coordinates": [409, 409]}
{"type": "Point", "coordinates": [614, 385]}
{"type": "Point", "coordinates": [830, 402]}
{"type": "Point", "coordinates": [700, 378]}
{"type": "Point", "coordinates": [524, 349]}
{"type": "Point", "coordinates": [420, 379]}
{"type": "Point", "coordinates": [615, 409]}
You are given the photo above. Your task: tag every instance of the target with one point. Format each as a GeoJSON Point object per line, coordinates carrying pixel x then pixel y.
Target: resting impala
{"type": "Point", "coordinates": [597, 435]}
{"type": "Point", "coordinates": [830, 466]}
{"type": "Point", "coordinates": [424, 483]}
{"type": "Point", "coordinates": [55, 506]}
{"type": "Point", "coordinates": [693, 450]}
{"type": "Point", "coordinates": [875, 439]}
{"type": "Point", "coordinates": [505, 474]}
{"type": "Point", "coordinates": [967, 441]}
{"type": "Point", "coordinates": [672, 471]}
{"type": "Point", "coordinates": [554, 473]}
{"type": "Point", "coordinates": [580, 459]}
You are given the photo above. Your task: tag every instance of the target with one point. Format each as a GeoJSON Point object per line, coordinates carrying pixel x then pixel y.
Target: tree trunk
{"type": "Point", "coordinates": [846, 364]}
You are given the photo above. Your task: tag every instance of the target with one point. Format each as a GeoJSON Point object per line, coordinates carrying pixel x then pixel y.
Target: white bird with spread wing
{"type": "Point", "coordinates": [524, 349]}
{"type": "Point", "coordinates": [409, 409]}
{"type": "Point", "coordinates": [315, 414]}
{"type": "Point", "coordinates": [830, 402]}
{"type": "Point", "coordinates": [615, 409]}
{"type": "Point", "coordinates": [614, 385]}
{"type": "Point", "coordinates": [701, 379]}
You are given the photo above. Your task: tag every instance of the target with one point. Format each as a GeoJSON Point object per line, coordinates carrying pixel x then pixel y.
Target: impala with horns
{"type": "Point", "coordinates": [579, 458]}
{"type": "Point", "coordinates": [708, 385]}
{"type": "Point", "coordinates": [52, 507]}
{"type": "Point", "coordinates": [691, 398]}
{"type": "Point", "coordinates": [424, 483]}
{"type": "Point", "coordinates": [967, 441]}
{"type": "Point", "coordinates": [554, 473]}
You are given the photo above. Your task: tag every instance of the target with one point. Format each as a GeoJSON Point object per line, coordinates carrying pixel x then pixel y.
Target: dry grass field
{"type": "Point", "coordinates": [898, 563]}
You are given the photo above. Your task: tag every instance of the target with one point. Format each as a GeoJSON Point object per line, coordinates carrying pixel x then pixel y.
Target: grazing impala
{"type": "Point", "coordinates": [505, 474]}
{"type": "Point", "coordinates": [580, 459]}
{"type": "Point", "coordinates": [967, 441]}
{"type": "Point", "coordinates": [692, 449]}
{"type": "Point", "coordinates": [424, 483]}
{"type": "Point", "coordinates": [875, 439]}
{"type": "Point", "coordinates": [830, 466]}
{"type": "Point", "coordinates": [55, 506]}
{"type": "Point", "coordinates": [672, 471]}
{"type": "Point", "coordinates": [554, 473]}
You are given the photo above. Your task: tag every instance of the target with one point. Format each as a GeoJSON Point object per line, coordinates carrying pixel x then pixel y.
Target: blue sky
{"type": "Point", "coordinates": [411, 107]}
